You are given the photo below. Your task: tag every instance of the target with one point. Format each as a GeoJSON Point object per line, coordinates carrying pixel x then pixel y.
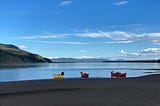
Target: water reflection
{"type": "Point", "coordinates": [17, 72]}
{"type": "Point", "coordinates": [27, 65]}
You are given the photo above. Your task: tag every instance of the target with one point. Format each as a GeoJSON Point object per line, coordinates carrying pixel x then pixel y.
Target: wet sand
{"type": "Point", "coordinates": [140, 91]}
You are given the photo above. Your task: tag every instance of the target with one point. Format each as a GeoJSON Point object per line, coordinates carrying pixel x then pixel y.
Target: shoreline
{"type": "Point", "coordinates": [139, 91]}
{"type": "Point", "coordinates": [20, 85]}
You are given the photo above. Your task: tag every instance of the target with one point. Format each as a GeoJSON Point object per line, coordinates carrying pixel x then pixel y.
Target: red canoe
{"type": "Point", "coordinates": [118, 75]}
{"type": "Point", "coordinates": [84, 75]}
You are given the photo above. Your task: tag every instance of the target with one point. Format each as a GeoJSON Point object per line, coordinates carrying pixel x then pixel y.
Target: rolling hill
{"type": "Point", "coordinates": [12, 54]}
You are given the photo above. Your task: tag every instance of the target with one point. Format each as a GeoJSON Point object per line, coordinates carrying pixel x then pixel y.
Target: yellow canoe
{"type": "Point", "coordinates": [58, 76]}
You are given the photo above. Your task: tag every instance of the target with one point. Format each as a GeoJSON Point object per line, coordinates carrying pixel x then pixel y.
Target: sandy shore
{"type": "Point", "coordinates": [141, 91]}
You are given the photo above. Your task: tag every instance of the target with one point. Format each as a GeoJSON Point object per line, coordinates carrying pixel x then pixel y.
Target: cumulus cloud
{"type": "Point", "coordinates": [65, 3]}
{"type": "Point", "coordinates": [156, 41]}
{"type": "Point", "coordinates": [120, 3]}
{"type": "Point", "coordinates": [150, 50]}
{"type": "Point", "coordinates": [148, 53]}
{"type": "Point", "coordinates": [51, 57]}
{"type": "Point", "coordinates": [123, 52]}
{"type": "Point", "coordinates": [22, 47]}
{"type": "Point", "coordinates": [88, 57]}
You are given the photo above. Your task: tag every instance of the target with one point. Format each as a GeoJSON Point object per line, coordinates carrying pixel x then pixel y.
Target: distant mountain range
{"type": "Point", "coordinates": [75, 60]}
{"type": "Point", "coordinates": [12, 54]}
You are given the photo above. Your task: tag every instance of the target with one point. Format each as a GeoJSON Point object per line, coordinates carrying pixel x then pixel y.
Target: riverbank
{"type": "Point", "coordinates": [140, 91]}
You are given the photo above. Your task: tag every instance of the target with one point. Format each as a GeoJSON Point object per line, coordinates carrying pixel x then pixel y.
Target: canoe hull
{"type": "Point", "coordinates": [58, 76]}
{"type": "Point", "coordinates": [118, 75]}
{"type": "Point", "coordinates": [85, 76]}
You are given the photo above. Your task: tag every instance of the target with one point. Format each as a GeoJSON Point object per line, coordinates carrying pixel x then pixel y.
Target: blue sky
{"type": "Point", "coordinates": [114, 29]}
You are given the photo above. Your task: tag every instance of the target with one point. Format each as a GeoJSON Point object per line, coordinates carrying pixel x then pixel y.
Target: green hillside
{"type": "Point", "coordinates": [12, 54]}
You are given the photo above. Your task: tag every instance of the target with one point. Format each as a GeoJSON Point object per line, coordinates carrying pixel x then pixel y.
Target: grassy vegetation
{"type": "Point", "coordinates": [12, 54]}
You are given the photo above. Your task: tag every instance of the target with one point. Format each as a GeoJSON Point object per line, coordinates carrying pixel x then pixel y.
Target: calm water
{"type": "Point", "coordinates": [45, 71]}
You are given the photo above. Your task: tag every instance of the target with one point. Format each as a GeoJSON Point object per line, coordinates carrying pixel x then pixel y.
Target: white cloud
{"type": "Point", "coordinates": [134, 54]}
{"type": "Point", "coordinates": [93, 34]}
{"type": "Point", "coordinates": [149, 53]}
{"type": "Point", "coordinates": [40, 37]}
{"type": "Point", "coordinates": [122, 36]}
{"type": "Point", "coordinates": [154, 35]}
{"type": "Point", "coordinates": [115, 37]}
{"type": "Point", "coordinates": [51, 57]}
{"type": "Point", "coordinates": [119, 42]}
{"type": "Point", "coordinates": [64, 3]}
{"type": "Point", "coordinates": [123, 52]}
{"type": "Point", "coordinates": [150, 50]}
{"type": "Point", "coordinates": [22, 47]}
{"type": "Point", "coordinates": [45, 35]}
{"type": "Point", "coordinates": [157, 41]}
{"type": "Point", "coordinates": [87, 57]}
{"type": "Point", "coordinates": [92, 57]}
{"type": "Point", "coordinates": [121, 3]}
